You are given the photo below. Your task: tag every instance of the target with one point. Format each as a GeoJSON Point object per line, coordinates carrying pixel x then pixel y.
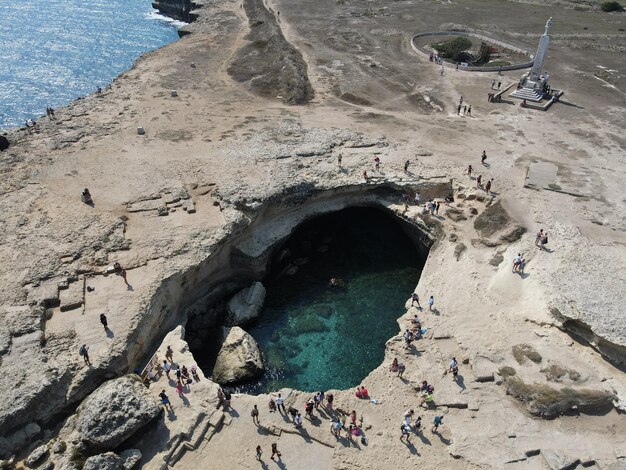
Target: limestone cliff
{"type": "Point", "coordinates": [177, 9]}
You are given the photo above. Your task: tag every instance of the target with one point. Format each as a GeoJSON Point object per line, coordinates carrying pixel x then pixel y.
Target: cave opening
{"type": "Point", "coordinates": [315, 334]}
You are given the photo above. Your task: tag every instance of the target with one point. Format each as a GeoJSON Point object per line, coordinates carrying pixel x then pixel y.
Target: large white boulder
{"type": "Point", "coordinates": [114, 412]}
{"type": "Point", "coordinates": [239, 358]}
{"type": "Point", "coordinates": [246, 305]}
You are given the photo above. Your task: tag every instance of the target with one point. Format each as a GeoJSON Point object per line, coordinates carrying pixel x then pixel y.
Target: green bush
{"type": "Point", "coordinates": [611, 6]}
{"type": "Point", "coordinates": [454, 48]}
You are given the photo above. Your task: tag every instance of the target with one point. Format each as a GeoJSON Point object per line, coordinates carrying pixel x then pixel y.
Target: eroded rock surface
{"type": "Point", "coordinates": [239, 358]}
{"type": "Point", "coordinates": [114, 412]}
{"type": "Point", "coordinates": [106, 461]}
{"type": "Point", "coordinates": [246, 305]}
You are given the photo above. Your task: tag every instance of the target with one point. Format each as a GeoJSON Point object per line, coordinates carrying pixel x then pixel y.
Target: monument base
{"type": "Point", "coordinates": [529, 94]}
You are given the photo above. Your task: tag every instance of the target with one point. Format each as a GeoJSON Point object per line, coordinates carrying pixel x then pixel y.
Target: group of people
{"type": "Point", "coordinates": [467, 110]}
{"type": "Point", "coordinates": [320, 399]}
{"type": "Point", "coordinates": [184, 376]}
{"type": "Point", "coordinates": [519, 264]}
{"type": "Point", "coordinates": [406, 427]}
{"type": "Point", "coordinates": [50, 112]}
{"type": "Point", "coordinates": [435, 58]}
{"type": "Point", "coordinates": [416, 299]}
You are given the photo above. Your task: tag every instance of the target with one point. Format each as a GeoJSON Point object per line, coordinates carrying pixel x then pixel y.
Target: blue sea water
{"type": "Point", "coordinates": [53, 51]}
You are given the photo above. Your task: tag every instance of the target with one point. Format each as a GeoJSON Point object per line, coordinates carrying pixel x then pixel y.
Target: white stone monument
{"type": "Point", "coordinates": [534, 84]}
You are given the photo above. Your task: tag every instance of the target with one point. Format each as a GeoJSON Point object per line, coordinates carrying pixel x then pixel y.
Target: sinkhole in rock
{"type": "Point", "coordinates": [315, 336]}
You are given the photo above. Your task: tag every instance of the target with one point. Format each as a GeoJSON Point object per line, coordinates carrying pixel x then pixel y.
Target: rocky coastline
{"type": "Point", "coordinates": [193, 228]}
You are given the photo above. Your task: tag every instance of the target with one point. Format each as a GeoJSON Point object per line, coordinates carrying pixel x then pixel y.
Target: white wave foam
{"type": "Point", "coordinates": [155, 15]}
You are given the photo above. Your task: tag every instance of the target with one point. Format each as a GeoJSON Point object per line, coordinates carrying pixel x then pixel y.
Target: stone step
{"type": "Point", "coordinates": [527, 94]}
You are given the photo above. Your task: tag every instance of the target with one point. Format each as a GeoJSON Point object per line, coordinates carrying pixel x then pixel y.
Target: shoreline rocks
{"type": "Point", "coordinates": [239, 358]}
{"type": "Point", "coordinates": [246, 305]}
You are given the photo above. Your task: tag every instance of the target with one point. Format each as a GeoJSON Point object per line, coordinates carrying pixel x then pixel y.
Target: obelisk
{"type": "Point", "coordinates": [540, 56]}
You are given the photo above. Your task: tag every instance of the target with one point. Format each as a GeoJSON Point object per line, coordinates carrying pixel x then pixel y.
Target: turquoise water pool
{"type": "Point", "coordinates": [317, 337]}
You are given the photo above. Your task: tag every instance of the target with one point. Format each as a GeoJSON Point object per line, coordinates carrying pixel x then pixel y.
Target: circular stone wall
{"type": "Point", "coordinates": [523, 65]}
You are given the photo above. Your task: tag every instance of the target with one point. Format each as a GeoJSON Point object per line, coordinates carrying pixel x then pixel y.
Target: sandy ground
{"type": "Point", "coordinates": [219, 136]}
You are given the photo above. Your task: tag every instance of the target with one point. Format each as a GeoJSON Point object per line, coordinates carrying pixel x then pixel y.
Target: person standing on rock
{"type": "Point", "coordinates": [479, 181]}
{"type": "Point", "coordinates": [120, 272]}
{"type": "Point", "coordinates": [365, 175]}
{"type": "Point", "coordinates": [165, 401]}
{"type": "Point", "coordinates": [103, 320]}
{"type": "Point", "coordinates": [401, 369]}
{"type": "Point", "coordinates": [406, 166]}
{"type": "Point", "coordinates": [415, 298]}
{"type": "Point", "coordinates": [377, 163]}
{"type": "Point", "coordinates": [84, 351]}
{"type": "Point", "coordinates": [297, 420]}
{"type": "Point", "coordinates": [194, 374]}
{"type": "Point", "coordinates": [454, 368]}
{"type": "Point", "coordinates": [308, 408]}
{"type": "Point", "coordinates": [437, 422]}
{"type": "Point", "coordinates": [179, 389]}
{"type": "Point", "coordinates": [417, 427]}
{"type": "Point", "coordinates": [329, 401]}
{"type": "Point", "coordinates": [405, 430]}
{"type": "Point", "coordinates": [431, 302]}
{"type": "Point", "coordinates": [516, 262]}
{"type": "Point", "coordinates": [259, 453]}
{"type": "Point", "coordinates": [220, 397]}
{"type": "Point", "coordinates": [544, 241]}
{"type": "Point", "coordinates": [280, 403]}
{"type": "Point", "coordinates": [469, 171]}
{"type": "Point", "coordinates": [522, 265]}
{"type": "Point", "coordinates": [339, 158]}
{"type": "Point", "coordinates": [227, 397]}
{"type": "Point", "coordinates": [483, 157]}
{"type": "Point", "coordinates": [255, 415]}
{"type": "Point", "coordinates": [408, 338]}
{"type": "Point", "coordinates": [539, 237]}
{"type": "Point", "coordinates": [408, 416]}
{"type": "Point", "coordinates": [458, 110]}
{"type": "Point", "coordinates": [469, 110]}
{"type": "Point", "coordinates": [488, 186]}
{"type": "Point", "coordinates": [169, 354]}
{"type": "Point", "coordinates": [166, 369]}
{"type": "Point", "coordinates": [293, 412]}
{"type": "Point", "coordinates": [275, 451]}
{"type": "Point", "coordinates": [335, 428]}
{"type": "Point", "coordinates": [319, 399]}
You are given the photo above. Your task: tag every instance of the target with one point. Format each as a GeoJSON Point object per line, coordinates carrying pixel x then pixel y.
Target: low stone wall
{"type": "Point", "coordinates": [472, 68]}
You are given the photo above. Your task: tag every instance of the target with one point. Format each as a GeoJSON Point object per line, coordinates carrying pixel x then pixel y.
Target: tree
{"type": "Point", "coordinates": [453, 49]}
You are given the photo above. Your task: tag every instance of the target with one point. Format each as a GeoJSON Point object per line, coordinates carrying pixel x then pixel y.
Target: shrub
{"type": "Point", "coordinates": [507, 371]}
{"type": "Point", "coordinates": [555, 372]}
{"type": "Point", "coordinates": [611, 6]}
{"type": "Point", "coordinates": [453, 49]}
{"type": "Point", "coordinates": [523, 352]}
